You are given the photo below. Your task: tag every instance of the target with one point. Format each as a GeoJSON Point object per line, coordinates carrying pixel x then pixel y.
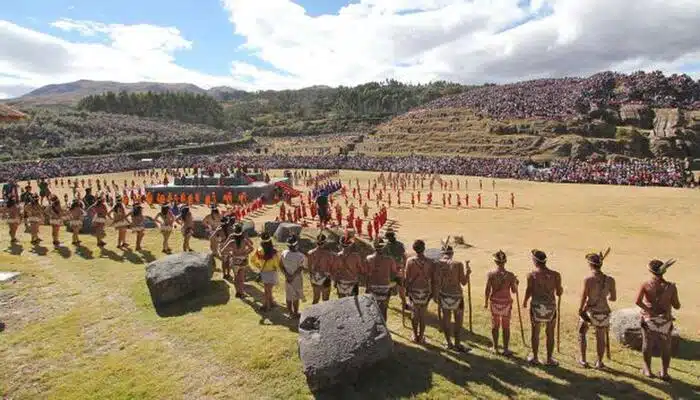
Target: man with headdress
{"type": "Point", "coordinates": [217, 240]}
{"type": "Point", "coordinates": [657, 297]}
{"type": "Point", "coordinates": [212, 222]}
{"type": "Point", "coordinates": [380, 269]}
{"type": "Point", "coordinates": [346, 272]}
{"type": "Point", "coordinates": [543, 285]}
{"type": "Point", "coordinates": [450, 277]}
{"type": "Point", "coordinates": [397, 251]}
{"type": "Point", "coordinates": [34, 216]}
{"type": "Point", "coordinates": [419, 284]}
{"type": "Point", "coordinates": [292, 266]}
{"type": "Point", "coordinates": [594, 310]}
{"type": "Point", "coordinates": [321, 263]}
{"type": "Point", "coordinates": [500, 283]}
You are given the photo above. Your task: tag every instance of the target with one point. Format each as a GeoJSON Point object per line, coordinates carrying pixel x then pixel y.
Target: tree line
{"type": "Point", "coordinates": [278, 111]}
{"type": "Point", "coordinates": [180, 106]}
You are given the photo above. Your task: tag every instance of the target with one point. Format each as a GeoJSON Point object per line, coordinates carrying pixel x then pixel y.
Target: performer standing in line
{"type": "Point", "coordinates": [543, 285]}
{"type": "Point", "coordinates": [657, 298]}
{"type": "Point", "coordinates": [500, 284]}
{"type": "Point", "coordinates": [594, 310]}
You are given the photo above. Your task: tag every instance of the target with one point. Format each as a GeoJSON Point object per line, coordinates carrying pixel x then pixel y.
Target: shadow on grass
{"type": "Point", "coordinates": [411, 370]}
{"type": "Point", "coordinates": [63, 251]}
{"type": "Point", "coordinates": [15, 249]}
{"type": "Point", "coordinates": [40, 250]}
{"type": "Point", "coordinates": [84, 252]}
{"type": "Point", "coordinates": [276, 316]}
{"type": "Point", "coordinates": [2, 326]}
{"type": "Point", "coordinates": [148, 257]}
{"type": "Point", "coordinates": [107, 253]}
{"type": "Point", "coordinates": [132, 257]}
{"type": "Point", "coordinates": [688, 349]}
{"type": "Point", "coordinates": [216, 294]}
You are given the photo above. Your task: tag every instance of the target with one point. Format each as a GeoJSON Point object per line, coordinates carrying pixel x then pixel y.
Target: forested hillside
{"type": "Point", "coordinates": [180, 106]}
{"type": "Point", "coordinates": [311, 110]}
{"type": "Point", "coordinates": [48, 134]}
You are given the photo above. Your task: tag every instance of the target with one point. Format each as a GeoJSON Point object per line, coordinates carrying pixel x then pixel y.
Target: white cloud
{"type": "Point", "coordinates": [410, 40]}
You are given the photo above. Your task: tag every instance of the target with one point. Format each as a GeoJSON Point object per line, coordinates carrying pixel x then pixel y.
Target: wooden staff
{"type": "Point", "coordinates": [520, 317]}
{"type": "Point", "coordinates": [558, 324]}
{"type": "Point", "coordinates": [607, 342]}
{"type": "Point", "coordinates": [469, 297]}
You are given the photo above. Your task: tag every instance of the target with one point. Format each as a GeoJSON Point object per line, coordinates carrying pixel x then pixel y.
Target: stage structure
{"type": "Point", "coordinates": [253, 185]}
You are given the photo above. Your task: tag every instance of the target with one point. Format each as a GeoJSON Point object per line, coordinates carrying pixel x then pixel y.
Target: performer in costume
{"type": "Point", "coordinates": [56, 215]}
{"type": "Point", "coordinates": [543, 284]}
{"type": "Point", "coordinates": [13, 216]}
{"type": "Point", "coordinates": [450, 277]}
{"type": "Point", "coordinates": [292, 266]}
{"type": "Point", "coordinates": [500, 283]}
{"type": "Point", "coordinates": [321, 262]}
{"type": "Point", "coordinates": [76, 214]}
{"type": "Point", "coordinates": [657, 297]}
{"type": "Point", "coordinates": [267, 260]}
{"type": "Point", "coordinates": [419, 282]}
{"type": "Point", "coordinates": [348, 269]}
{"type": "Point", "coordinates": [397, 251]}
{"type": "Point", "coordinates": [120, 222]}
{"type": "Point", "coordinates": [594, 310]}
{"type": "Point", "coordinates": [380, 269]}
{"type": "Point", "coordinates": [165, 220]}
{"type": "Point", "coordinates": [187, 222]}
{"type": "Point", "coordinates": [235, 251]}
{"type": "Point", "coordinates": [138, 223]}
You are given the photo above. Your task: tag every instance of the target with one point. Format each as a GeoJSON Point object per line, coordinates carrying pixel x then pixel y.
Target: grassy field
{"type": "Point", "coordinates": [79, 324]}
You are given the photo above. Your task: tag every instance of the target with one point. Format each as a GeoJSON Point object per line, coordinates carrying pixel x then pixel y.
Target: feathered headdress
{"type": "Point", "coordinates": [658, 267]}
{"type": "Point", "coordinates": [500, 257]}
{"type": "Point", "coordinates": [597, 258]}
{"type": "Point", "coordinates": [446, 248]}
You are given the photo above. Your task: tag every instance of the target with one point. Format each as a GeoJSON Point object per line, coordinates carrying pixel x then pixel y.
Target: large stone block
{"type": "Point", "coordinates": [178, 275]}
{"type": "Point", "coordinates": [285, 230]}
{"type": "Point", "coordinates": [340, 338]}
{"type": "Point", "coordinates": [270, 227]}
{"type": "Point", "coordinates": [626, 328]}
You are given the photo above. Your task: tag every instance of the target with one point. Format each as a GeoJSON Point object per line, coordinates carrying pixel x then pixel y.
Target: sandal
{"type": "Point", "coordinates": [449, 346]}
{"type": "Point", "coordinates": [551, 363]}
{"type": "Point", "coordinates": [583, 364]}
{"type": "Point", "coordinates": [599, 365]}
{"type": "Point", "coordinates": [647, 374]}
{"type": "Point", "coordinates": [462, 349]}
{"type": "Point", "coordinates": [507, 353]}
{"type": "Point", "coordinates": [664, 377]}
{"type": "Point", "coordinates": [532, 360]}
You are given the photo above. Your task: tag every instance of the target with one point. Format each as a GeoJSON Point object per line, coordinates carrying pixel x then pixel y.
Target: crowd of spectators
{"type": "Point", "coordinates": [640, 172]}
{"type": "Point", "coordinates": [568, 98]}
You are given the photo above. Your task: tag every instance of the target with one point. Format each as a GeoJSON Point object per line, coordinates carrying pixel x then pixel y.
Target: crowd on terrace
{"type": "Point", "coordinates": [639, 172]}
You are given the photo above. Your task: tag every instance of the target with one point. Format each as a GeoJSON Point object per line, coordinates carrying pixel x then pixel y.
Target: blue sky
{"type": "Point", "coordinates": [203, 22]}
{"type": "Point", "coordinates": [469, 41]}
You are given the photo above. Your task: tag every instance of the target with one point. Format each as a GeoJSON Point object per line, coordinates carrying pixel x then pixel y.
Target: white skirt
{"type": "Point", "coordinates": [269, 277]}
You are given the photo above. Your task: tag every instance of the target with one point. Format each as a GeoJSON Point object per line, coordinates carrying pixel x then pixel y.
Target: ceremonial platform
{"type": "Point", "coordinates": [253, 185]}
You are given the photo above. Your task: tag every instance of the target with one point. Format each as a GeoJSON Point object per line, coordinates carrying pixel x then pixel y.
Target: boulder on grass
{"type": "Point", "coordinates": [249, 228]}
{"type": "Point", "coordinates": [625, 326]}
{"type": "Point", "coordinates": [285, 230]}
{"type": "Point", "coordinates": [340, 338]}
{"type": "Point", "coordinates": [178, 275]}
{"type": "Point", "coordinates": [271, 227]}
{"type": "Point", "coordinates": [433, 254]}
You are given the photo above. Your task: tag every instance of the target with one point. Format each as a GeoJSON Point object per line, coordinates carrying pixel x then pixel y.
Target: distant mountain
{"type": "Point", "coordinates": [70, 93]}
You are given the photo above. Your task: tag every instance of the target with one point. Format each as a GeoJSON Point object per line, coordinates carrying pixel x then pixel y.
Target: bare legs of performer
{"type": "Point", "coordinates": [600, 337]}
{"type": "Point", "coordinates": [498, 323]}
{"type": "Point", "coordinates": [455, 329]}
{"type": "Point", "coordinates": [121, 238]}
{"type": "Point", "coordinates": [321, 292]}
{"type": "Point", "coordinates": [418, 323]}
{"type": "Point", "coordinates": [535, 339]}
{"type": "Point", "coordinates": [166, 237]}
{"type": "Point", "coordinates": [649, 340]}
